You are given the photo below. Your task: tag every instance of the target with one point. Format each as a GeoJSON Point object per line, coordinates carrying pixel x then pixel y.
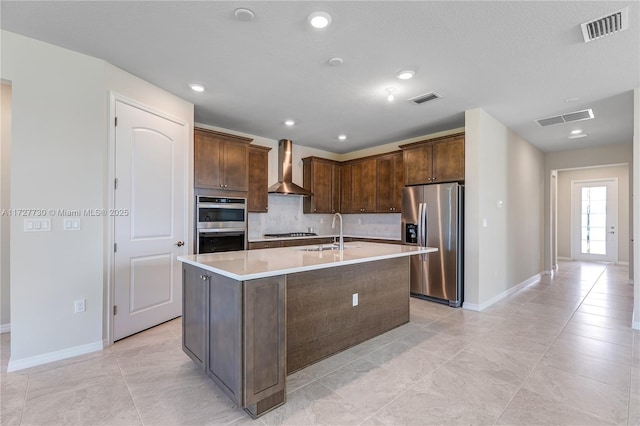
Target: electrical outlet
{"type": "Point", "coordinates": [354, 299]}
{"type": "Point", "coordinates": [79, 305]}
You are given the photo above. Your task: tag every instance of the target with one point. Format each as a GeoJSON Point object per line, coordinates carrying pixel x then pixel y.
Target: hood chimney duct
{"type": "Point", "coordinates": [285, 183]}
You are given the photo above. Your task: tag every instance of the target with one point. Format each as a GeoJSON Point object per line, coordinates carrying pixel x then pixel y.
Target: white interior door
{"type": "Point", "coordinates": [149, 223]}
{"type": "Point", "coordinates": [595, 220]}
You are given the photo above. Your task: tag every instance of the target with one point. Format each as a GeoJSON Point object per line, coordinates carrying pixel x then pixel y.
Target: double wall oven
{"type": "Point", "coordinates": [221, 224]}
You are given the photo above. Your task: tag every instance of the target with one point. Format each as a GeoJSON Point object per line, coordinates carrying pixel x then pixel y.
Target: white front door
{"type": "Point", "coordinates": [149, 224]}
{"type": "Point", "coordinates": [595, 220]}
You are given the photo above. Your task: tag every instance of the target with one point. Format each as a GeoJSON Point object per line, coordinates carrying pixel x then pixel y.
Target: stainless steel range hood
{"type": "Point", "coordinates": [285, 184]}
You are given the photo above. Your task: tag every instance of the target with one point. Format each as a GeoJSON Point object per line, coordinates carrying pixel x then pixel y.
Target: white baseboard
{"type": "Point", "coordinates": [20, 364]}
{"type": "Point", "coordinates": [485, 305]}
{"type": "Point", "coordinates": [564, 258]}
{"type": "Point", "coordinates": [622, 263]}
{"type": "Point", "coordinates": [547, 272]}
{"type": "Point", "coordinates": [5, 328]}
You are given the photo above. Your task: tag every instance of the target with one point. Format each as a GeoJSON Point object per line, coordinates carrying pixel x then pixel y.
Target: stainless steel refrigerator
{"type": "Point", "coordinates": [432, 216]}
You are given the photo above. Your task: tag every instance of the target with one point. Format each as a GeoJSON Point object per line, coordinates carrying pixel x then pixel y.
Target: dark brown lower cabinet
{"type": "Point", "coordinates": [321, 318]}
{"type": "Point", "coordinates": [248, 335]}
{"type": "Point", "coordinates": [235, 330]}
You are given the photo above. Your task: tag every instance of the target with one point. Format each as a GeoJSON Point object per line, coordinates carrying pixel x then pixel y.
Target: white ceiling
{"type": "Point", "coordinates": [518, 60]}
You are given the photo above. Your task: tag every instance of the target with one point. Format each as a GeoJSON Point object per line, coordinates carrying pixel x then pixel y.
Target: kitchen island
{"type": "Point", "coordinates": [252, 317]}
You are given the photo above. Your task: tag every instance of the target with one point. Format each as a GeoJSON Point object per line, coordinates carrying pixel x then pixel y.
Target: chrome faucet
{"type": "Point", "coordinates": [333, 226]}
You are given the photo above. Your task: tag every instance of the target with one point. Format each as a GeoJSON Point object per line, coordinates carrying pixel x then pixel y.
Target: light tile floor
{"type": "Point", "coordinates": [560, 351]}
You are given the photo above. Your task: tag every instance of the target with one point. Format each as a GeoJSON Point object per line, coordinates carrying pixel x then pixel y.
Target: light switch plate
{"type": "Point", "coordinates": [37, 225]}
{"type": "Point", "coordinates": [71, 224]}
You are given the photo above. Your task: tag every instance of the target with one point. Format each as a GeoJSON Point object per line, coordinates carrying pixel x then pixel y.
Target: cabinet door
{"type": "Point", "coordinates": [264, 343]}
{"type": "Point", "coordinates": [235, 162]}
{"type": "Point", "coordinates": [384, 184]}
{"type": "Point", "coordinates": [194, 313]}
{"type": "Point", "coordinates": [363, 197]}
{"type": "Point", "coordinates": [448, 160]}
{"type": "Point", "coordinates": [321, 178]}
{"type": "Point", "coordinates": [345, 189]}
{"type": "Point", "coordinates": [417, 165]}
{"type": "Point", "coordinates": [336, 185]}
{"type": "Point", "coordinates": [207, 173]}
{"type": "Point", "coordinates": [224, 359]}
{"type": "Point", "coordinates": [258, 197]}
{"type": "Point", "coordinates": [397, 182]}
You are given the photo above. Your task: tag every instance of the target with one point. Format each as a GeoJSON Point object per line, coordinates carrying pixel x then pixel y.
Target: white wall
{"type": "Point", "coordinates": [59, 161]}
{"type": "Point", "coordinates": [565, 177]}
{"type": "Point", "coordinates": [575, 159]}
{"type": "Point", "coordinates": [635, 252]}
{"type": "Point", "coordinates": [5, 220]}
{"type": "Point", "coordinates": [500, 167]}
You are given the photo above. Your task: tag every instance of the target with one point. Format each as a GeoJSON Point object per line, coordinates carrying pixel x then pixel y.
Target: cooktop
{"type": "Point", "coordinates": [292, 234]}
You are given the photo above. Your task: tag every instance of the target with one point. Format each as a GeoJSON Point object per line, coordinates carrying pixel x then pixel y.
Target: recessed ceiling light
{"type": "Point", "coordinates": [319, 19]}
{"type": "Point", "coordinates": [289, 122]}
{"type": "Point", "coordinates": [581, 135]}
{"type": "Point", "coordinates": [197, 87]}
{"type": "Point", "coordinates": [243, 14]}
{"type": "Point", "coordinates": [405, 74]}
{"type": "Point", "coordinates": [575, 132]}
{"type": "Point", "coordinates": [334, 62]}
{"type": "Point", "coordinates": [342, 137]}
{"type": "Point", "coordinates": [571, 100]}
{"type": "Point", "coordinates": [390, 91]}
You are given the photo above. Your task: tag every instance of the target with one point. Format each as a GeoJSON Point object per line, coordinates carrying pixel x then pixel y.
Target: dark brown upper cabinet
{"type": "Point", "coordinates": [258, 197]}
{"type": "Point", "coordinates": [389, 183]}
{"type": "Point", "coordinates": [221, 161]}
{"type": "Point", "coordinates": [322, 178]}
{"type": "Point", "coordinates": [434, 160]}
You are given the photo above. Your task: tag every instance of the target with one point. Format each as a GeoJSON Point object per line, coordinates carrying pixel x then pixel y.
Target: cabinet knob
{"type": "Point", "coordinates": [433, 178]}
{"type": "Point", "coordinates": [204, 277]}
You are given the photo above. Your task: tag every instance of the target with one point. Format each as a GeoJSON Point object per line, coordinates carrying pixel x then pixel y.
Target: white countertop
{"type": "Point", "coordinates": [264, 239]}
{"type": "Point", "coordinates": [252, 264]}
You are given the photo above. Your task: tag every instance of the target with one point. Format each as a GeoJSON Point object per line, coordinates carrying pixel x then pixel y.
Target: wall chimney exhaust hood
{"type": "Point", "coordinates": [285, 184]}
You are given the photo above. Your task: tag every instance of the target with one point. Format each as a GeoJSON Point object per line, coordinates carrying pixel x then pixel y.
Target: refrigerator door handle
{"type": "Point", "coordinates": [425, 212]}
{"type": "Point", "coordinates": [420, 224]}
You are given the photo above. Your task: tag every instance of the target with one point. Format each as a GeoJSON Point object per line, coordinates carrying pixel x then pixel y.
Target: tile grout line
{"type": "Point", "coordinates": [126, 383]}
{"type": "Point", "coordinates": [24, 401]}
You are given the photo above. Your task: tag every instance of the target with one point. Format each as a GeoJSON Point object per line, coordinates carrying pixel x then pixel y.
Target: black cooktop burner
{"type": "Point", "coordinates": [292, 234]}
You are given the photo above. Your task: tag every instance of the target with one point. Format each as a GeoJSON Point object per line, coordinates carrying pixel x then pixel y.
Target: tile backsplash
{"type": "Point", "coordinates": [285, 215]}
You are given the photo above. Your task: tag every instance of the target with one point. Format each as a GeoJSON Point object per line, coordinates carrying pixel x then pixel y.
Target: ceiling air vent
{"type": "Point", "coordinates": [420, 99]}
{"type": "Point", "coordinates": [569, 117]}
{"type": "Point", "coordinates": [606, 25]}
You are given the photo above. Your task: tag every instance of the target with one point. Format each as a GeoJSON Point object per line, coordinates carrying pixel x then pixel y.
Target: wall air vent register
{"type": "Point", "coordinates": [606, 25]}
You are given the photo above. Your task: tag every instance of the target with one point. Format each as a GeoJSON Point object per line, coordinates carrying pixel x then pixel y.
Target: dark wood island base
{"type": "Point", "coordinates": [247, 335]}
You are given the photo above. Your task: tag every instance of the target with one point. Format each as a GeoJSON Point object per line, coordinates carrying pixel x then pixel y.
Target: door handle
{"type": "Point", "coordinates": [179, 244]}
{"type": "Point", "coordinates": [612, 232]}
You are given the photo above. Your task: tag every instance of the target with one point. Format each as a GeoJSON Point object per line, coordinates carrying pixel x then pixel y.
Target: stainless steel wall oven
{"type": "Point", "coordinates": [221, 224]}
